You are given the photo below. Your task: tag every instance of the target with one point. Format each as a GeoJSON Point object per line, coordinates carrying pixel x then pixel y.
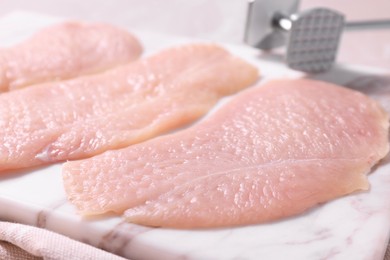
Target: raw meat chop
{"type": "Point", "coordinates": [85, 116]}
{"type": "Point", "coordinates": [272, 152]}
{"type": "Point", "coordinates": [65, 51]}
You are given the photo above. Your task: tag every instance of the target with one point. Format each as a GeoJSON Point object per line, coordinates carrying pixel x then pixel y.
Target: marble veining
{"type": "Point", "coordinates": [45, 213]}
{"type": "Point", "coordinates": [353, 227]}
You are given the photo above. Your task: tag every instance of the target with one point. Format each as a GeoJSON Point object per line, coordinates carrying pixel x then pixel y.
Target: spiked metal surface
{"type": "Point", "coordinates": [313, 39]}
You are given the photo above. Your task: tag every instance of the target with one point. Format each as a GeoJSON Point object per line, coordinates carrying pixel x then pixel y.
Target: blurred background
{"type": "Point", "coordinates": [219, 20]}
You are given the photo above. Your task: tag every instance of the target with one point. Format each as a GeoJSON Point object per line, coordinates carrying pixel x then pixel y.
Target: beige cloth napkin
{"type": "Point", "coordinates": [19, 241]}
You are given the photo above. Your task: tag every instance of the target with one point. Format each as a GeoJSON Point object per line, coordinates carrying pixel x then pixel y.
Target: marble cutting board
{"type": "Point", "coordinates": [352, 227]}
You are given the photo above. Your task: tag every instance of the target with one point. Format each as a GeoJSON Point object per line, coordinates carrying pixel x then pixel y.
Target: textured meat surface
{"type": "Point", "coordinates": [82, 117]}
{"type": "Point", "coordinates": [273, 151]}
{"type": "Point", "coordinates": [65, 51]}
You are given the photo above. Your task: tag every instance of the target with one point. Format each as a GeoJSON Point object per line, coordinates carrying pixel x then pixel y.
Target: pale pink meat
{"type": "Point", "coordinates": [65, 51]}
{"type": "Point", "coordinates": [85, 116]}
{"type": "Point", "coordinates": [272, 152]}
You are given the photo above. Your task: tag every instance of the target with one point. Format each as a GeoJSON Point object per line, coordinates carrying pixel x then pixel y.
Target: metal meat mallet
{"type": "Point", "coordinates": [311, 37]}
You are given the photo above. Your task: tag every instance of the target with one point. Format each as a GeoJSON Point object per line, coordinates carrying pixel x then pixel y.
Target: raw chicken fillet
{"type": "Point", "coordinates": [64, 51]}
{"type": "Point", "coordinates": [85, 116]}
{"type": "Point", "coordinates": [272, 152]}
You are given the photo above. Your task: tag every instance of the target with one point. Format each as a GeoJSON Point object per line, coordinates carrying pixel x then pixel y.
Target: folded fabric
{"type": "Point", "coordinates": [25, 242]}
{"type": "Point", "coordinates": [10, 251]}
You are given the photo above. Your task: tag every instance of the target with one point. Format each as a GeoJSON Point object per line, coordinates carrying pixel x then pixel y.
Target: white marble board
{"type": "Point", "coordinates": [352, 227]}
